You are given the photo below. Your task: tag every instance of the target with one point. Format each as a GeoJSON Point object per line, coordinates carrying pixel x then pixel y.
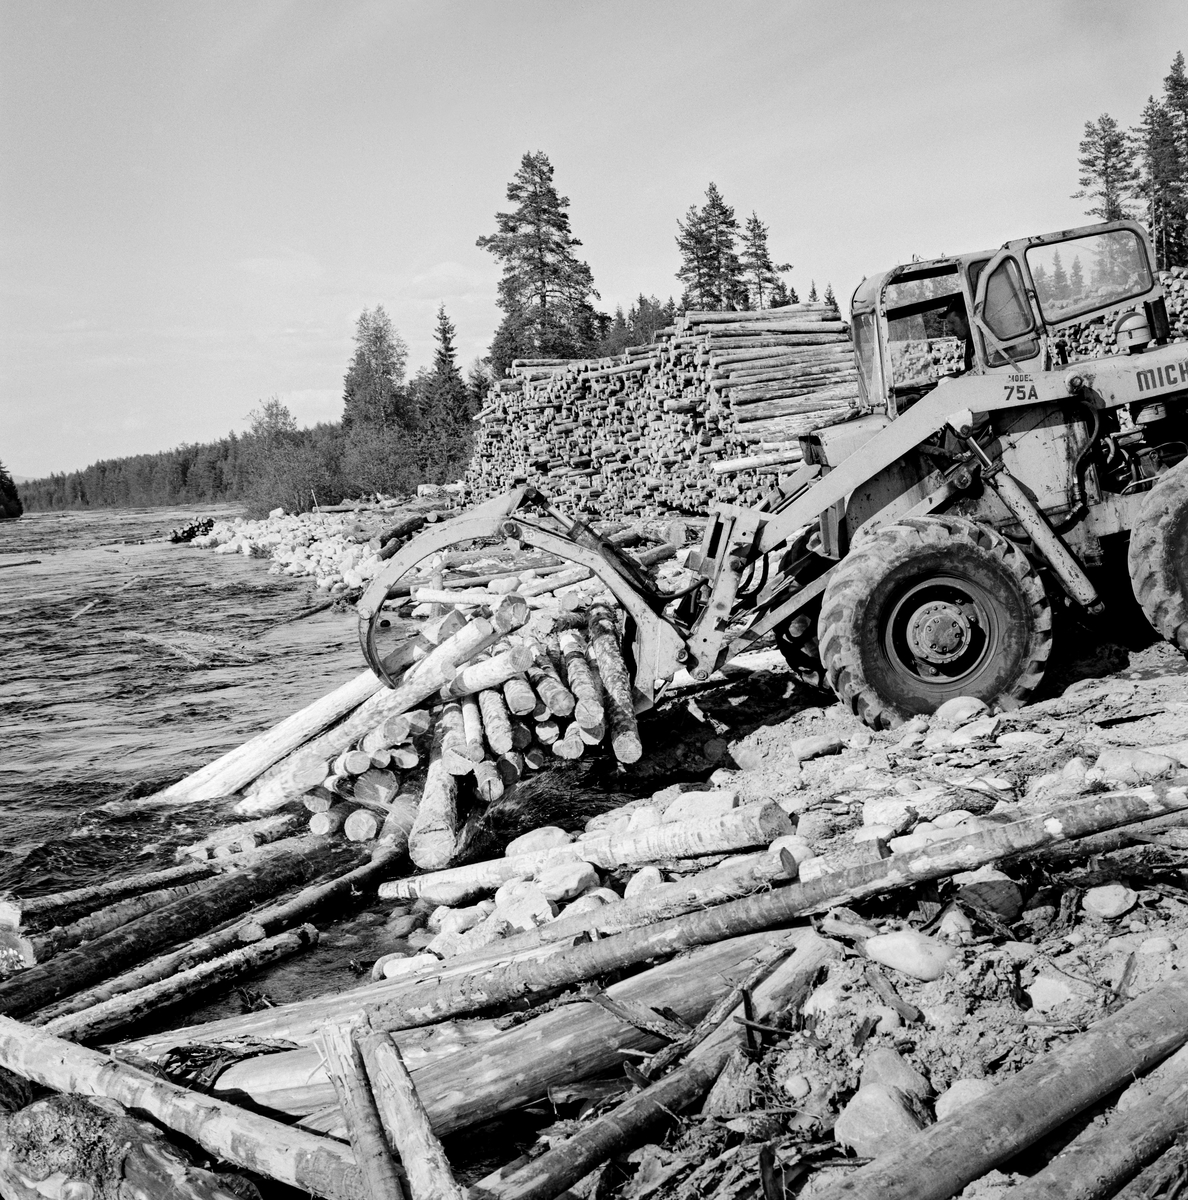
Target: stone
{"type": "Point", "coordinates": [981, 729]}
{"type": "Point", "coordinates": [1109, 902]}
{"type": "Point", "coordinates": [827, 997]}
{"type": "Point", "coordinates": [692, 805]}
{"type": "Point", "coordinates": [955, 927]}
{"type": "Point", "coordinates": [544, 838]}
{"type": "Point", "coordinates": [905, 787]}
{"type": "Point", "coordinates": [583, 904]}
{"type": "Point", "coordinates": [566, 881]}
{"type": "Point", "coordinates": [1021, 739]}
{"type": "Point", "coordinates": [459, 920]}
{"type": "Point", "coordinates": [888, 1066]}
{"type": "Point", "coordinates": [896, 814]}
{"type": "Point", "coordinates": [1050, 990]}
{"type": "Point", "coordinates": [1156, 945]}
{"type": "Point", "coordinates": [874, 833]}
{"type": "Point", "coordinates": [645, 817]}
{"type": "Point", "coordinates": [991, 889]}
{"type": "Point", "coordinates": [508, 892]}
{"type": "Point", "coordinates": [813, 868]}
{"type": "Point", "coordinates": [796, 1087]}
{"type": "Point", "coordinates": [641, 881]}
{"type": "Point", "coordinates": [949, 819]}
{"type": "Point", "coordinates": [875, 1120]}
{"type": "Point", "coordinates": [816, 746]}
{"type": "Point", "coordinates": [1130, 765]}
{"type": "Point", "coordinates": [395, 966]}
{"type": "Point", "coordinates": [912, 953]}
{"type": "Point", "coordinates": [860, 740]}
{"type": "Point", "coordinates": [404, 924]}
{"type": "Point", "coordinates": [960, 1093]}
{"type": "Point", "coordinates": [958, 711]}
{"type": "Point", "coordinates": [815, 827]}
{"type": "Point", "coordinates": [794, 844]}
{"type": "Point", "coordinates": [889, 1020]}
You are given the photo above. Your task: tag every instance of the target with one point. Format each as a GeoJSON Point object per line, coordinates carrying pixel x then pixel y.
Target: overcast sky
{"type": "Point", "coordinates": [197, 199]}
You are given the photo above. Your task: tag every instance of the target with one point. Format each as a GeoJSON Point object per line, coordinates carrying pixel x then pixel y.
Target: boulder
{"type": "Point", "coordinates": [692, 805]}
{"type": "Point", "coordinates": [816, 747]}
{"type": "Point", "coordinates": [875, 1120]}
{"type": "Point", "coordinates": [958, 711]}
{"type": "Point", "coordinates": [912, 953]}
{"type": "Point", "coordinates": [888, 1066]}
{"type": "Point", "coordinates": [1109, 902]}
{"type": "Point", "coordinates": [566, 880]}
{"type": "Point", "coordinates": [960, 1093]}
{"type": "Point", "coordinates": [1130, 765]}
{"type": "Point", "coordinates": [641, 881]}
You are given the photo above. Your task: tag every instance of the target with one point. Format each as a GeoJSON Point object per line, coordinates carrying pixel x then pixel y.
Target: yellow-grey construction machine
{"type": "Point", "coordinates": [920, 545]}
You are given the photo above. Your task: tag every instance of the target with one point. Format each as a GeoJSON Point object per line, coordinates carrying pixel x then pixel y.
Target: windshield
{"type": "Point", "coordinates": [1084, 274]}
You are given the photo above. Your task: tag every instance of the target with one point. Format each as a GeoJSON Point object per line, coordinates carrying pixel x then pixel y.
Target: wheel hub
{"type": "Point", "coordinates": [938, 632]}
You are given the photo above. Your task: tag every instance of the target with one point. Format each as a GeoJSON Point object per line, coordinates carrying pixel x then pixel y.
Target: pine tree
{"type": "Point", "coordinates": [830, 298]}
{"type": "Point", "coordinates": [812, 299]}
{"type": "Point", "coordinates": [546, 291]}
{"type": "Point", "coordinates": [759, 272]}
{"type": "Point", "coordinates": [373, 390]}
{"type": "Point", "coordinates": [782, 295]}
{"type": "Point", "coordinates": [1161, 179]}
{"type": "Point", "coordinates": [1107, 169]}
{"type": "Point", "coordinates": [710, 267]}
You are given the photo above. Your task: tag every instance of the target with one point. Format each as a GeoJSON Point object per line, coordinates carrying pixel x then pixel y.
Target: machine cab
{"type": "Point", "coordinates": [923, 322]}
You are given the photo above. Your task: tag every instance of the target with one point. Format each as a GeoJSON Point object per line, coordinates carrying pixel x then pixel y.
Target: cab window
{"type": "Point", "coordinates": [1006, 313]}
{"type": "Point", "coordinates": [863, 332]}
{"type": "Point", "coordinates": [1080, 275]}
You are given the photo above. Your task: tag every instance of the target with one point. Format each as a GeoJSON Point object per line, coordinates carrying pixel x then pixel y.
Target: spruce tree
{"type": "Point", "coordinates": [546, 291]}
{"type": "Point", "coordinates": [1059, 278]}
{"type": "Point", "coordinates": [444, 401]}
{"type": "Point", "coordinates": [1160, 180]}
{"type": "Point", "coordinates": [1076, 278]}
{"type": "Point", "coordinates": [710, 267]}
{"type": "Point", "coordinates": [812, 299]}
{"type": "Point", "coordinates": [1107, 169]}
{"type": "Point", "coordinates": [830, 298]}
{"type": "Point", "coordinates": [373, 389]}
{"type": "Point", "coordinates": [759, 272]}
{"type": "Point", "coordinates": [10, 500]}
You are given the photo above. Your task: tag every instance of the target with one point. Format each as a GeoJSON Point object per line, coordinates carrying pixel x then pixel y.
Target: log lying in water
{"type": "Point", "coordinates": [292, 1156]}
{"type": "Point", "coordinates": [132, 1006]}
{"type": "Point", "coordinates": [252, 928]}
{"type": "Point", "coordinates": [211, 903]}
{"type": "Point", "coordinates": [16, 911]}
{"type": "Point", "coordinates": [38, 948]}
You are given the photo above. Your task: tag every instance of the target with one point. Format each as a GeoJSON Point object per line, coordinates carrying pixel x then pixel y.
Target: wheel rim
{"type": "Point", "coordinates": [942, 632]}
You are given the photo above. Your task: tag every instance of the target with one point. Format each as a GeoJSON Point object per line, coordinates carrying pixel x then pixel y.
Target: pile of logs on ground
{"type": "Point", "coordinates": [698, 416]}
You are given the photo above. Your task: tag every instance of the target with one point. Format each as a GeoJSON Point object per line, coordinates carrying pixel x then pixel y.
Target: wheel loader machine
{"type": "Point", "coordinates": [920, 548]}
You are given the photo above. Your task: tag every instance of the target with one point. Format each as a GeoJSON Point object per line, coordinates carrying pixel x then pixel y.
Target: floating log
{"type": "Point", "coordinates": [213, 901]}
{"type": "Point", "coordinates": [40, 947]}
{"type": "Point", "coordinates": [234, 839]}
{"type": "Point", "coordinates": [132, 1006]}
{"type": "Point", "coordinates": [404, 1118]}
{"type": "Point", "coordinates": [16, 911]}
{"type": "Point", "coordinates": [302, 1160]}
{"type": "Point", "coordinates": [252, 928]}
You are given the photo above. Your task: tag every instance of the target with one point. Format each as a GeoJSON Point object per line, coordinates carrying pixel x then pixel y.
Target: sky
{"type": "Point", "coordinates": [197, 200]}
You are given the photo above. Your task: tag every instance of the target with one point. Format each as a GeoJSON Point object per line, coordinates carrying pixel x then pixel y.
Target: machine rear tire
{"type": "Point", "coordinates": [928, 608]}
{"type": "Point", "coordinates": [1158, 556]}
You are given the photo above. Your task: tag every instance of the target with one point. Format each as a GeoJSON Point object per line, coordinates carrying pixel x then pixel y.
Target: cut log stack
{"type": "Point", "coordinates": [708, 412]}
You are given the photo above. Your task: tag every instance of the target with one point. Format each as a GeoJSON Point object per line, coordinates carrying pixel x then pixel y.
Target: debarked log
{"type": "Point", "coordinates": [466, 1085]}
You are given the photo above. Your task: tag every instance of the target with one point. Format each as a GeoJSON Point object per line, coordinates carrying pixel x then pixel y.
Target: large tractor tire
{"type": "Point", "coordinates": [928, 608]}
{"type": "Point", "coordinates": [1158, 556]}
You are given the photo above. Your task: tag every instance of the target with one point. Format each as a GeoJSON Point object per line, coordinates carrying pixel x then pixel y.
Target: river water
{"type": "Point", "coordinates": [124, 667]}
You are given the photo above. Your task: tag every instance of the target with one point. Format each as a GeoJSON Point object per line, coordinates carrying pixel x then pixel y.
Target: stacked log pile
{"type": "Point", "coordinates": [699, 416]}
{"type": "Point", "coordinates": [1095, 339]}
